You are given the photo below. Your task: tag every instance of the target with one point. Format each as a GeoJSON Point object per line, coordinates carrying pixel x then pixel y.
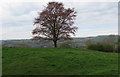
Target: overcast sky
{"type": "Point", "coordinates": [93, 18]}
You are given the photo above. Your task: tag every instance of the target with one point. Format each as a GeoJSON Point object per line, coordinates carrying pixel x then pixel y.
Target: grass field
{"type": "Point", "coordinates": [58, 61]}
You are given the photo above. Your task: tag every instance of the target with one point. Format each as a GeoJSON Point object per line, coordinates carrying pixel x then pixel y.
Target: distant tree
{"type": "Point", "coordinates": [54, 23]}
{"type": "Point", "coordinates": [65, 45]}
{"type": "Point", "coordinates": [88, 42]}
{"type": "Point", "coordinates": [118, 44]}
{"type": "Point", "coordinates": [111, 39]}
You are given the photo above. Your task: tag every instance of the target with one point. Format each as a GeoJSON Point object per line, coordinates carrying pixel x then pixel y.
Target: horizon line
{"type": "Point", "coordinates": [71, 37]}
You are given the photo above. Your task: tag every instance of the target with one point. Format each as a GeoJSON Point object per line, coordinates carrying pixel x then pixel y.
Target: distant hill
{"type": "Point", "coordinates": [75, 43]}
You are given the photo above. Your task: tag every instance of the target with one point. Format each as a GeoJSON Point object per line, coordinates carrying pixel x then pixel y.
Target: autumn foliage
{"type": "Point", "coordinates": [54, 23]}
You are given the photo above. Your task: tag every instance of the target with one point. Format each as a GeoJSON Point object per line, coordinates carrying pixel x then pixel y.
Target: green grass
{"type": "Point", "coordinates": [58, 61]}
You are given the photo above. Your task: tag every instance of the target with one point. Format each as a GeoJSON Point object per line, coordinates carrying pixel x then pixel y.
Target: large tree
{"type": "Point", "coordinates": [54, 23]}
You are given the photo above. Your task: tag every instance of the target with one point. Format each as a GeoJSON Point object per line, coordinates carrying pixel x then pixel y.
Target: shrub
{"type": "Point", "coordinates": [22, 45]}
{"type": "Point", "coordinates": [65, 45]}
{"type": "Point", "coordinates": [92, 46]}
{"type": "Point", "coordinates": [88, 42]}
{"type": "Point", "coordinates": [117, 48]}
{"type": "Point", "coordinates": [108, 47]}
{"type": "Point", "coordinates": [101, 47]}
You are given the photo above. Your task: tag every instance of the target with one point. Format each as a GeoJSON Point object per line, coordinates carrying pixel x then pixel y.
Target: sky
{"type": "Point", "coordinates": [93, 17]}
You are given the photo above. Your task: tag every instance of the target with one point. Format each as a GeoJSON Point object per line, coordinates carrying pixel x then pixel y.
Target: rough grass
{"type": "Point", "coordinates": [58, 61]}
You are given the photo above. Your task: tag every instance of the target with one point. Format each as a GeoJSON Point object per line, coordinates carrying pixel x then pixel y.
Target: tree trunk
{"type": "Point", "coordinates": [55, 43]}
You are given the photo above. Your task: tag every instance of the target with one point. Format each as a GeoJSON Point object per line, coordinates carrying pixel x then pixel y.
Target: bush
{"type": "Point", "coordinates": [22, 45]}
{"type": "Point", "coordinates": [65, 45]}
{"type": "Point", "coordinates": [117, 48]}
{"type": "Point", "coordinates": [101, 47]}
{"type": "Point", "coordinates": [108, 48]}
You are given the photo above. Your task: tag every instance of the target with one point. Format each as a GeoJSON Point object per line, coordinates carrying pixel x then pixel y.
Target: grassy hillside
{"type": "Point", "coordinates": [58, 61]}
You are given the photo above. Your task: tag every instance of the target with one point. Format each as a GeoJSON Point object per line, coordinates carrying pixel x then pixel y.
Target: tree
{"type": "Point", "coordinates": [111, 39]}
{"type": "Point", "coordinates": [55, 23]}
{"type": "Point", "coordinates": [88, 42]}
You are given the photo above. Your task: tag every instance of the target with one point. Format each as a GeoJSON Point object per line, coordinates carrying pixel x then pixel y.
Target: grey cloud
{"type": "Point", "coordinates": [17, 9]}
{"type": "Point", "coordinates": [89, 15]}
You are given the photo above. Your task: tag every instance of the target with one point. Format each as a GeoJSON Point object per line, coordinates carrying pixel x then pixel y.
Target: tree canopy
{"type": "Point", "coordinates": [54, 23]}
